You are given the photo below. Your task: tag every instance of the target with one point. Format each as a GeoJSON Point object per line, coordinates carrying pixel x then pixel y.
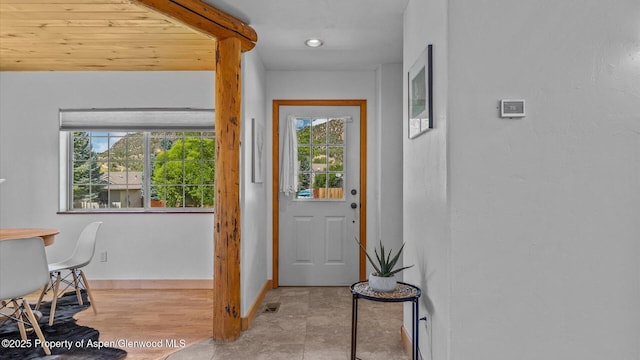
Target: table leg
{"type": "Point", "coordinates": [415, 330]}
{"type": "Point", "coordinates": [354, 326]}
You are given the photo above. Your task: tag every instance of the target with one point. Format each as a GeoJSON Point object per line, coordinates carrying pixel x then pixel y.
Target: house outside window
{"type": "Point", "coordinates": [163, 165]}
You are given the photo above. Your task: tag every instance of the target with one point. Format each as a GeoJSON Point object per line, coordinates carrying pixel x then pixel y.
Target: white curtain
{"type": "Point", "coordinates": [289, 158]}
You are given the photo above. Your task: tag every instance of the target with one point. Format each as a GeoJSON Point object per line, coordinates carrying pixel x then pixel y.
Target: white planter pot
{"type": "Point", "coordinates": [382, 284]}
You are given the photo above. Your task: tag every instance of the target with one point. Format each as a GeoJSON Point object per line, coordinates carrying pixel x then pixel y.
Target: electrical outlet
{"type": "Point", "coordinates": [103, 256]}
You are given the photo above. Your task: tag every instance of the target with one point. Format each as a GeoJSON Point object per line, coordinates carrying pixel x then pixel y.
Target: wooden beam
{"type": "Point", "coordinates": [205, 19]}
{"type": "Point", "coordinates": [223, 19]}
{"type": "Point", "coordinates": [226, 272]}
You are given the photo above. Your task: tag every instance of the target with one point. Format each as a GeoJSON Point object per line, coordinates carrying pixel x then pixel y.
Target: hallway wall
{"type": "Point", "coordinates": [545, 209]}
{"type": "Point", "coordinates": [542, 211]}
{"type": "Point", "coordinates": [253, 262]}
{"type": "Point", "coordinates": [425, 183]}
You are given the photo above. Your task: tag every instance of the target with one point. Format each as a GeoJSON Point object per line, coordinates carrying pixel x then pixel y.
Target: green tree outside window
{"type": "Point", "coordinates": [189, 162]}
{"type": "Point", "coordinates": [86, 171]}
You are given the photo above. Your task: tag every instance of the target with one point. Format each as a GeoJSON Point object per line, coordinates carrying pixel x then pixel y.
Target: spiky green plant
{"type": "Point", "coordinates": [385, 265]}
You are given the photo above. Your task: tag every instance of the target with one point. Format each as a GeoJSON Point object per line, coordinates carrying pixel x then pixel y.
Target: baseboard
{"type": "Point", "coordinates": [180, 284]}
{"type": "Point", "coordinates": [407, 343]}
{"type": "Point", "coordinates": [253, 310]}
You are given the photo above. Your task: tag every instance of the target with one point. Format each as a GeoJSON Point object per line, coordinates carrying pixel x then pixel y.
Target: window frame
{"type": "Point", "coordinates": [120, 120]}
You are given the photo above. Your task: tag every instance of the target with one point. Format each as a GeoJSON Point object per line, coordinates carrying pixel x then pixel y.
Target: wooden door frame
{"type": "Point", "coordinates": [362, 104]}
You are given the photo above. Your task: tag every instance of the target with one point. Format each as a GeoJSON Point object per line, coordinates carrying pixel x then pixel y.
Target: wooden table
{"type": "Point", "coordinates": [47, 235]}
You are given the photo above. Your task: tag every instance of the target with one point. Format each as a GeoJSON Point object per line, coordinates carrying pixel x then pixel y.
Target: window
{"type": "Point", "coordinates": [129, 169]}
{"type": "Point", "coordinates": [321, 149]}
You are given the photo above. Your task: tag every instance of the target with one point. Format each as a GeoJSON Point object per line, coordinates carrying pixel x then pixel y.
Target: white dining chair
{"type": "Point", "coordinates": [82, 256]}
{"type": "Point", "coordinates": [23, 270]}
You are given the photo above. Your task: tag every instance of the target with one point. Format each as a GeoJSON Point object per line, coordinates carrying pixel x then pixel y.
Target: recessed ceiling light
{"type": "Point", "coordinates": [314, 43]}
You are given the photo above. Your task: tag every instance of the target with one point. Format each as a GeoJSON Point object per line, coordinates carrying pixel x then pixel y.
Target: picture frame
{"type": "Point", "coordinates": [420, 91]}
{"type": "Point", "coordinates": [257, 147]}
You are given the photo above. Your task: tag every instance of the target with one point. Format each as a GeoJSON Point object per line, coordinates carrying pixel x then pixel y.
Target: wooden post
{"type": "Point", "coordinates": [226, 262]}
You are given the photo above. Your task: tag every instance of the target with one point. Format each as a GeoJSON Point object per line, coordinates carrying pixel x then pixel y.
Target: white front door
{"type": "Point", "coordinates": [319, 223]}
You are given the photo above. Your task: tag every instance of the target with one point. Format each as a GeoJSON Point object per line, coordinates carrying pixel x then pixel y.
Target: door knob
{"type": "Point", "coordinates": [354, 191]}
{"type": "Point", "coordinates": [354, 205]}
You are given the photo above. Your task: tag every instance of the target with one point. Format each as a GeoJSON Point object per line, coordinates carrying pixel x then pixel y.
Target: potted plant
{"type": "Point", "coordinates": [383, 278]}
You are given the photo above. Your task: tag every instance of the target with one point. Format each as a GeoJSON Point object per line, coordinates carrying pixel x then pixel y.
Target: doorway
{"type": "Point", "coordinates": [314, 225]}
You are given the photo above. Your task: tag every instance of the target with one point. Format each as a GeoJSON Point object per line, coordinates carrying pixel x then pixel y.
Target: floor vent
{"type": "Point", "coordinates": [271, 308]}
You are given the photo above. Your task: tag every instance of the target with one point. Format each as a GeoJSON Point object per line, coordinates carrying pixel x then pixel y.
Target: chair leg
{"type": "Point", "coordinates": [86, 286]}
{"type": "Point", "coordinates": [35, 326]}
{"type": "Point", "coordinates": [44, 291]}
{"type": "Point", "coordinates": [56, 287]}
{"type": "Point", "coordinates": [76, 283]}
{"type": "Point", "coordinates": [20, 319]}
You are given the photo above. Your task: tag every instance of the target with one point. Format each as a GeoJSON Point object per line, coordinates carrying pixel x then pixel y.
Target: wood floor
{"type": "Point", "coordinates": [157, 316]}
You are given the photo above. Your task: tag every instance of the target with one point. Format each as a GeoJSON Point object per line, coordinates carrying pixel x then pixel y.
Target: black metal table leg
{"type": "Point", "coordinates": [415, 329]}
{"type": "Point", "coordinates": [354, 326]}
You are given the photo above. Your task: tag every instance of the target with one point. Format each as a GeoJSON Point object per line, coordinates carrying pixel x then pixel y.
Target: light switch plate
{"type": "Point", "coordinates": [512, 108]}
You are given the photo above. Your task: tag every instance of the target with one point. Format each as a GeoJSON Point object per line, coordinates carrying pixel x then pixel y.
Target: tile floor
{"type": "Point", "coordinates": [312, 323]}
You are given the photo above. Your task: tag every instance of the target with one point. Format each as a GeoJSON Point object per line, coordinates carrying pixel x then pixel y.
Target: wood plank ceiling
{"type": "Point", "coordinates": [71, 35]}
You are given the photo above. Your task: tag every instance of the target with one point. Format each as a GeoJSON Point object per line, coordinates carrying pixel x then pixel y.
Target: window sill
{"type": "Point", "coordinates": [127, 212]}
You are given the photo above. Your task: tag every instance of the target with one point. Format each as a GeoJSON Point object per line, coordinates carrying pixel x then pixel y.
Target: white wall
{"type": "Point", "coordinates": [545, 230]}
{"type": "Point", "coordinates": [139, 246]}
{"type": "Point", "coordinates": [425, 183]}
{"type": "Point", "coordinates": [543, 211]}
{"type": "Point", "coordinates": [254, 195]}
{"type": "Point", "coordinates": [389, 150]}
{"type": "Point", "coordinates": [336, 85]}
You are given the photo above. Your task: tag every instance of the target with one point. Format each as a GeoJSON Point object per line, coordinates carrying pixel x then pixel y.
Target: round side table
{"type": "Point", "coordinates": [403, 292]}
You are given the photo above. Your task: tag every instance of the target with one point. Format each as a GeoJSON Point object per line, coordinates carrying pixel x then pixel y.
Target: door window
{"type": "Point", "coordinates": [321, 149]}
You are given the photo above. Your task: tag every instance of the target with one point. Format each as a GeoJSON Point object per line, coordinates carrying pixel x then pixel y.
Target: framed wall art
{"type": "Point", "coordinates": [420, 83]}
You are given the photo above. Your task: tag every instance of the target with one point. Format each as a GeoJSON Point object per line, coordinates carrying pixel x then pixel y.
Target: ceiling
{"type": "Point", "coordinates": [358, 34]}
{"type": "Point", "coordinates": [126, 35]}
{"type": "Point", "coordinates": [97, 35]}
